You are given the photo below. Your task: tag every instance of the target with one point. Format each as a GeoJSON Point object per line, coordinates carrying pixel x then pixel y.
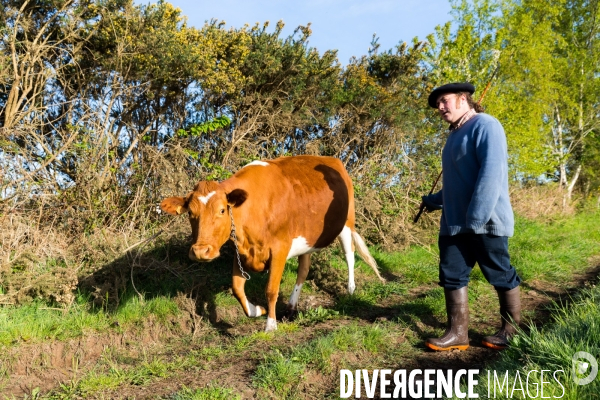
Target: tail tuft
{"type": "Point", "coordinates": [363, 252]}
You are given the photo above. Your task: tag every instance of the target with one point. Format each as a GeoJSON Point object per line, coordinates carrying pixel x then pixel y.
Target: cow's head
{"type": "Point", "coordinates": [207, 208]}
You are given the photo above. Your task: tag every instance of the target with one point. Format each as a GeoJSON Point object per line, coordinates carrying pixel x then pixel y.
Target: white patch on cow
{"type": "Point", "coordinates": [253, 311]}
{"type": "Point", "coordinates": [300, 246]}
{"type": "Point", "coordinates": [204, 199]}
{"type": "Point", "coordinates": [295, 296]}
{"type": "Point", "coordinates": [346, 240]}
{"type": "Point", "coordinates": [271, 325]}
{"type": "Point", "coordinates": [257, 162]}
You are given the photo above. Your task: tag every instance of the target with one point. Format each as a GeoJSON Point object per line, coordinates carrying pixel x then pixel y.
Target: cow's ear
{"type": "Point", "coordinates": [237, 197]}
{"type": "Point", "coordinates": [174, 205]}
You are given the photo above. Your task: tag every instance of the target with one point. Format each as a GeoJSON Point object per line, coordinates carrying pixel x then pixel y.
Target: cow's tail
{"type": "Point", "coordinates": [363, 252]}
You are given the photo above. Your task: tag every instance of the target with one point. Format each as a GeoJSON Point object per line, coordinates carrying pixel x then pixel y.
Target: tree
{"type": "Point", "coordinates": [577, 110]}
{"type": "Point", "coordinates": [556, 58]}
{"type": "Point", "coordinates": [546, 85]}
{"type": "Point", "coordinates": [41, 43]}
{"type": "Point", "coordinates": [490, 46]}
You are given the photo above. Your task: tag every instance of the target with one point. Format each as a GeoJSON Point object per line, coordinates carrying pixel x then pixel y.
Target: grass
{"type": "Point", "coordinates": [324, 339]}
{"type": "Point", "coordinates": [211, 392]}
{"type": "Point", "coordinates": [553, 251]}
{"type": "Point", "coordinates": [315, 315]}
{"type": "Point", "coordinates": [415, 266]}
{"type": "Point", "coordinates": [576, 327]}
{"type": "Point", "coordinates": [279, 375]}
{"type": "Point", "coordinates": [110, 373]}
{"type": "Point", "coordinates": [115, 369]}
{"type": "Point", "coordinates": [38, 321]}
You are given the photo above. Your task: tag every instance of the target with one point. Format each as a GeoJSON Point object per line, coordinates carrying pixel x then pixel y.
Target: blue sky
{"type": "Point", "coordinates": [345, 25]}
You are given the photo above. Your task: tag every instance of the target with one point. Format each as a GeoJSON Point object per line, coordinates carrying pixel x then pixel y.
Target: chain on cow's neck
{"type": "Point", "coordinates": [237, 250]}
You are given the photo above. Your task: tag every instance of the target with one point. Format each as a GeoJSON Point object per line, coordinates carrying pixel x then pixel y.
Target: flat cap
{"type": "Point", "coordinates": [449, 88]}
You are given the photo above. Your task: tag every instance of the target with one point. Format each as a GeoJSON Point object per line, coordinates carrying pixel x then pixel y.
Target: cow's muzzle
{"type": "Point", "coordinates": [203, 252]}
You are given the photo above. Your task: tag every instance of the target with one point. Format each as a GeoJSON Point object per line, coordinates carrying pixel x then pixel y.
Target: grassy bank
{"type": "Point", "coordinates": [574, 327]}
{"type": "Point", "coordinates": [180, 333]}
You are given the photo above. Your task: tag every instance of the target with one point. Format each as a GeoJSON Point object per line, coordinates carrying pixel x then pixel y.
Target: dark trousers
{"type": "Point", "coordinates": [459, 253]}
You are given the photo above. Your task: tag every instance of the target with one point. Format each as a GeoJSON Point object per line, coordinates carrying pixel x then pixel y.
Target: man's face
{"type": "Point", "coordinates": [452, 106]}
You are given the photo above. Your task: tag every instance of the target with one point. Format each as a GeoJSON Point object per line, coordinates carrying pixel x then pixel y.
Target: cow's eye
{"type": "Point", "coordinates": [222, 211]}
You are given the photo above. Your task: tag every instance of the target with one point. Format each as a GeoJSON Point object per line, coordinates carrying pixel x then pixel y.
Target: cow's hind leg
{"type": "Point", "coordinates": [303, 267]}
{"type": "Point", "coordinates": [238, 291]}
{"type": "Point", "coordinates": [345, 238]}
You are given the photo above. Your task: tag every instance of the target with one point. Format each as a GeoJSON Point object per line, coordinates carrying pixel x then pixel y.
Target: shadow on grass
{"type": "Point", "coordinates": [165, 270]}
{"type": "Point", "coordinates": [417, 312]}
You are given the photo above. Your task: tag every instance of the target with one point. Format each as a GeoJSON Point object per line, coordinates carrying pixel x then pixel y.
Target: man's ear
{"type": "Point", "coordinates": [174, 205]}
{"type": "Point", "coordinates": [236, 197]}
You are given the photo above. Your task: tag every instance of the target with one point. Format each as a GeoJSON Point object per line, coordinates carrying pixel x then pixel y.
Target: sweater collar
{"type": "Point", "coordinates": [462, 120]}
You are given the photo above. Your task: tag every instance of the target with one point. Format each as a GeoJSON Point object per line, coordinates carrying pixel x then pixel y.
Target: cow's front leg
{"type": "Point", "coordinates": [275, 273]}
{"type": "Point", "coordinates": [238, 291]}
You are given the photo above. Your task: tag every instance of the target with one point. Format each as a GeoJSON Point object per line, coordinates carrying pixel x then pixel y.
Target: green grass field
{"type": "Point", "coordinates": [178, 339]}
{"type": "Point", "coordinates": [574, 327]}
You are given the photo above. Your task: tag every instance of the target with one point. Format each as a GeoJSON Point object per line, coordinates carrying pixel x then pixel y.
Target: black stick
{"type": "Point", "coordinates": [422, 208]}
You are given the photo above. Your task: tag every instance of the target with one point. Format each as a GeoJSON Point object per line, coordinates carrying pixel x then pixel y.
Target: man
{"type": "Point", "coordinates": [477, 216]}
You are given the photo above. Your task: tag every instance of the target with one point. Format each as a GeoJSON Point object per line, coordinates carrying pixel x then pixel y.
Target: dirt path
{"type": "Point", "coordinates": [47, 366]}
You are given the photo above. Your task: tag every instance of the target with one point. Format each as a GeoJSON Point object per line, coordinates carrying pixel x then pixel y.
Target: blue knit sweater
{"type": "Point", "coordinates": [474, 196]}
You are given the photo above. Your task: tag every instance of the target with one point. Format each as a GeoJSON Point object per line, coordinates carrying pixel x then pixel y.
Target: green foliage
{"type": "Point", "coordinates": [590, 159]}
{"type": "Point", "coordinates": [529, 34]}
{"type": "Point", "coordinates": [315, 315]}
{"type": "Point", "coordinates": [480, 50]}
{"type": "Point", "coordinates": [196, 130]}
{"type": "Point", "coordinates": [184, 103]}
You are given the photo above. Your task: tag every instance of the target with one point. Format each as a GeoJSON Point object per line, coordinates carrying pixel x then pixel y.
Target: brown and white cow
{"type": "Point", "coordinates": [282, 208]}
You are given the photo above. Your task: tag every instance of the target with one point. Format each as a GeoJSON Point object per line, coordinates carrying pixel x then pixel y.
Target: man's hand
{"type": "Point", "coordinates": [428, 205]}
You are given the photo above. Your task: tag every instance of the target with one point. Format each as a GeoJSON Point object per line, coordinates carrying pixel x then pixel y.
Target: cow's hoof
{"type": "Point", "coordinates": [271, 325]}
{"type": "Point", "coordinates": [290, 315]}
{"type": "Point", "coordinates": [255, 311]}
{"type": "Point", "coordinates": [351, 287]}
